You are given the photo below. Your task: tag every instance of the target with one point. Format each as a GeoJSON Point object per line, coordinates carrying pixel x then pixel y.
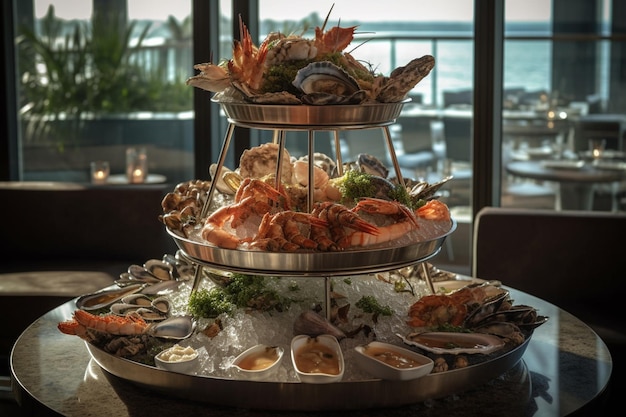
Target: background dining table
{"type": "Point", "coordinates": [565, 369]}
{"type": "Point", "coordinates": [576, 180]}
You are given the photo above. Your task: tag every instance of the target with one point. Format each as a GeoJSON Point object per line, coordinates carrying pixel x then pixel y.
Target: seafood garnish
{"type": "Point", "coordinates": [326, 74]}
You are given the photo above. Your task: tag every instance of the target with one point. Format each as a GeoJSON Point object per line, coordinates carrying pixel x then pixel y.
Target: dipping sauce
{"type": "Point", "coordinates": [260, 360]}
{"type": "Point", "coordinates": [392, 358]}
{"type": "Point", "coordinates": [178, 353]}
{"type": "Point", "coordinates": [315, 357]}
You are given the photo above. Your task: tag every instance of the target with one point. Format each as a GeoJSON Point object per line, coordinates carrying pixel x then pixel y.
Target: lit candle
{"type": "Point", "coordinates": [138, 176]}
{"type": "Point", "coordinates": [136, 165]}
{"type": "Point", "coordinates": [99, 172]}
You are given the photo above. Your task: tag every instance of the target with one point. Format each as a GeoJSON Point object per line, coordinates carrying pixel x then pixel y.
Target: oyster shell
{"type": "Point", "coordinates": [454, 342]}
{"type": "Point", "coordinates": [403, 79]}
{"type": "Point", "coordinates": [324, 83]}
{"type": "Point", "coordinates": [312, 324]}
{"type": "Point", "coordinates": [175, 327]}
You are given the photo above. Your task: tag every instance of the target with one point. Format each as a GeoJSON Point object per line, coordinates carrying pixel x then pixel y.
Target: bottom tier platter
{"type": "Point", "coordinates": [293, 396]}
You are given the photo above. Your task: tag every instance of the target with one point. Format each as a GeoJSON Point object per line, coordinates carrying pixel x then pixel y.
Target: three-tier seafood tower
{"type": "Point", "coordinates": [314, 219]}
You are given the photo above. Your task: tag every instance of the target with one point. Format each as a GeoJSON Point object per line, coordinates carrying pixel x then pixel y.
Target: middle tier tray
{"type": "Point", "coordinates": [312, 263]}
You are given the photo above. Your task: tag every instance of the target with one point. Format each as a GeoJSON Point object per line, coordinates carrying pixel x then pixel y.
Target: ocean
{"type": "Point", "coordinates": [454, 68]}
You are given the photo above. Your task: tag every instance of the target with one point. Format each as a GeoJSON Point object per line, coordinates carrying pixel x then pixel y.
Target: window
{"type": "Point", "coordinates": [558, 55]}
{"type": "Point", "coordinates": [100, 77]}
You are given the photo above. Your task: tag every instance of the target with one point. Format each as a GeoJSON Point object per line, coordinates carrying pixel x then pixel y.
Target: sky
{"type": "Point", "coordinates": [447, 10]}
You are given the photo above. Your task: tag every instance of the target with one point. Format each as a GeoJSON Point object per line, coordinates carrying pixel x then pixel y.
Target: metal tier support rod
{"type": "Point", "coordinates": [328, 290]}
{"type": "Point", "coordinates": [427, 277]}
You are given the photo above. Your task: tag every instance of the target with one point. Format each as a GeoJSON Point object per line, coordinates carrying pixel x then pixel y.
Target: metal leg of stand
{"type": "Point", "coordinates": [218, 171]}
{"type": "Point", "coordinates": [197, 277]}
{"type": "Point", "coordinates": [338, 153]}
{"type": "Point", "coordinates": [327, 307]}
{"type": "Point", "coordinates": [427, 277]}
{"type": "Point", "coordinates": [392, 154]}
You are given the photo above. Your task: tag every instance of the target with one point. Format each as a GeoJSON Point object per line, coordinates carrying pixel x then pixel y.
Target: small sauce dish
{"type": "Point", "coordinates": [177, 359]}
{"type": "Point", "coordinates": [259, 362]}
{"type": "Point", "coordinates": [317, 360]}
{"type": "Point", "coordinates": [387, 361]}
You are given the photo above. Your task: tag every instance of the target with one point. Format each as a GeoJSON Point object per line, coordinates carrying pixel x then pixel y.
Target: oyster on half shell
{"type": "Point", "coordinates": [324, 83]}
{"type": "Point", "coordinates": [454, 342]}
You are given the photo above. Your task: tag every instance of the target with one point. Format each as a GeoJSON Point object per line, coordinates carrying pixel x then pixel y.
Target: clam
{"type": "Point", "coordinates": [162, 305]}
{"type": "Point", "coordinates": [150, 314]}
{"type": "Point", "coordinates": [139, 300]}
{"type": "Point", "coordinates": [122, 309]}
{"type": "Point", "coordinates": [423, 190]}
{"type": "Point", "coordinates": [505, 330]}
{"type": "Point", "coordinates": [371, 165]}
{"type": "Point", "coordinates": [140, 273]}
{"type": "Point", "coordinates": [324, 83]}
{"type": "Point", "coordinates": [175, 327]}
{"type": "Point", "coordinates": [488, 307]}
{"type": "Point", "coordinates": [312, 324]}
{"type": "Point", "coordinates": [105, 298]}
{"type": "Point", "coordinates": [159, 268]}
{"type": "Point", "coordinates": [160, 288]}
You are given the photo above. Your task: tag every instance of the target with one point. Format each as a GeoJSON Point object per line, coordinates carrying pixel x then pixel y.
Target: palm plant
{"type": "Point", "coordinates": [86, 71]}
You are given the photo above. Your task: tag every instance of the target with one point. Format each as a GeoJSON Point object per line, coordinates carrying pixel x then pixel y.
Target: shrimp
{"type": "Point", "coordinates": [386, 234]}
{"type": "Point", "coordinates": [437, 309]}
{"type": "Point", "coordinates": [340, 221]}
{"type": "Point", "coordinates": [281, 231]}
{"type": "Point", "coordinates": [247, 63]}
{"type": "Point", "coordinates": [433, 210]}
{"type": "Point", "coordinates": [392, 209]}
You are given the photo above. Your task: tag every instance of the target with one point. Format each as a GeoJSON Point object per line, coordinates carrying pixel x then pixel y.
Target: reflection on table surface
{"type": "Point", "coordinates": [565, 366]}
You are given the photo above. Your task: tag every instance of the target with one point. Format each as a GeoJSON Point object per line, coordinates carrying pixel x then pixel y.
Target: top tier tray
{"type": "Point", "coordinates": [311, 117]}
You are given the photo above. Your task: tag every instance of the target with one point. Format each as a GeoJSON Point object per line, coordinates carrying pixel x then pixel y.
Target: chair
{"type": "Point", "coordinates": [573, 259]}
{"type": "Point", "coordinates": [611, 127]}
{"type": "Point", "coordinates": [458, 137]}
{"type": "Point", "coordinates": [62, 240]}
{"type": "Point", "coordinates": [417, 144]}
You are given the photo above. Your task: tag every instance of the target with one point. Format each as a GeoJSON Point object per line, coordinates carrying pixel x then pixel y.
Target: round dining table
{"type": "Point", "coordinates": [565, 369]}
{"type": "Point", "coordinates": [576, 180]}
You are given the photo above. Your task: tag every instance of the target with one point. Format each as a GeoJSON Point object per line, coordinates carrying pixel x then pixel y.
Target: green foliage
{"type": "Point", "coordinates": [369, 304]}
{"type": "Point", "coordinates": [210, 303]}
{"type": "Point", "coordinates": [88, 71]}
{"type": "Point", "coordinates": [245, 291]}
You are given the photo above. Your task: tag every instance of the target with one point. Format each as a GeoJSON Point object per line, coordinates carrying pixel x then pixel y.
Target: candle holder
{"type": "Point", "coordinates": [596, 146]}
{"type": "Point", "coordinates": [99, 172]}
{"type": "Point", "coordinates": [136, 165]}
